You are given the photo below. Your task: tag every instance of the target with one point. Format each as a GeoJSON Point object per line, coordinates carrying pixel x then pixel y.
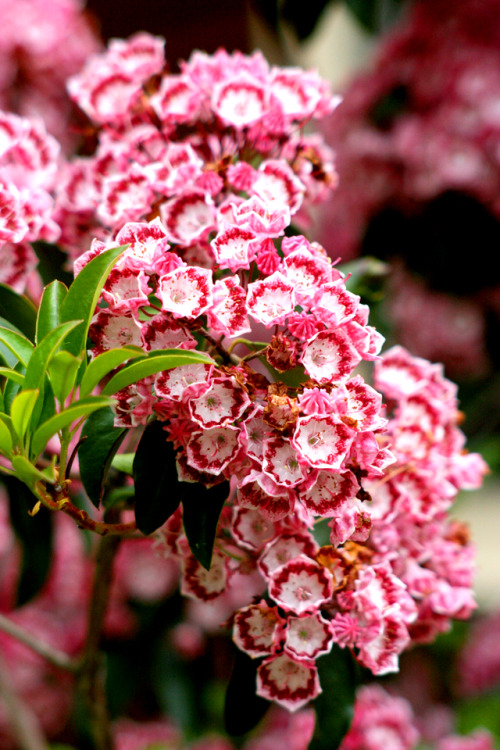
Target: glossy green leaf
{"type": "Point", "coordinates": [338, 675]}
{"type": "Point", "coordinates": [83, 296]}
{"type": "Point", "coordinates": [22, 409]}
{"type": "Point", "coordinates": [64, 419]}
{"type": "Point", "coordinates": [29, 474]}
{"type": "Point", "coordinates": [40, 359]}
{"type": "Point", "coordinates": [202, 507]}
{"type": "Point", "coordinates": [99, 367]}
{"type": "Point", "coordinates": [243, 708]}
{"type": "Point", "coordinates": [18, 310]}
{"type": "Point", "coordinates": [48, 404]}
{"type": "Point", "coordinates": [49, 312]}
{"type": "Point", "coordinates": [158, 492]}
{"type": "Point", "coordinates": [63, 369]}
{"type": "Point", "coordinates": [17, 344]}
{"type": "Point", "coordinates": [154, 362]}
{"type": "Point", "coordinates": [124, 462]}
{"type": "Point", "coordinates": [11, 388]}
{"type": "Point", "coordinates": [100, 441]}
{"type": "Point", "coordinates": [17, 377]}
{"type": "Point", "coordinates": [35, 537]}
{"type": "Point", "coordinates": [5, 439]}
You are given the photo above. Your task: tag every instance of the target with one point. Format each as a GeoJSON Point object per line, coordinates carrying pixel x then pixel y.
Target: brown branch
{"type": "Point", "coordinates": [23, 721]}
{"type": "Point", "coordinates": [52, 655]}
{"type": "Point", "coordinates": [92, 677]}
{"type": "Point", "coordinates": [61, 501]}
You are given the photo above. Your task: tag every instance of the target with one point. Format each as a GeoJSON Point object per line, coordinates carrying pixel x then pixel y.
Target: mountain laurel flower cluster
{"type": "Point", "coordinates": [201, 175]}
{"type": "Point", "coordinates": [328, 508]}
{"type": "Point", "coordinates": [28, 168]}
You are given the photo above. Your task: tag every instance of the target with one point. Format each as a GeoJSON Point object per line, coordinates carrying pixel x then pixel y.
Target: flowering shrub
{"type": "Point", "coordinates": [278, 483]}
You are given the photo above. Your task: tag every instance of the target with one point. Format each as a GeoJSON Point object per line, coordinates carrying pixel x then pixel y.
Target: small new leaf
{"type": "Point", "coordinates": [63, 369]}
{"type": "Point", "coordinates": [22, 410]}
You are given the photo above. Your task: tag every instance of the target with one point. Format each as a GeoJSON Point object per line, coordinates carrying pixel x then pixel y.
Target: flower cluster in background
{"type": "Point", "coordinates": [417, 141]}
{"type": "Point", "coordinates": [43, 43]}
{"type": "Point", "coordinates": [28, 169]}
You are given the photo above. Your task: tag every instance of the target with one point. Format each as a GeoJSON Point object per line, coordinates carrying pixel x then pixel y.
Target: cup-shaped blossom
{"type": "Point", "coordinates": [288, 682]}
{"type": "Point", "coordinates": [271, 300]}
{"type": "Point", "coordinates": [232, 248]}
{"type": "Point", "coordinates": [257, 629]}
{"type": "Point", "coordinates": [251, 529]}
{"type": "Point", "coordinates": [240, 101]}
{"type": "Point", "coordinates": [322, 441]}
{"type": "Point", "coordinates": [330, 356]}
{"type": "Point", "coordinates": [327, 490]}
{"type": "Point", "coordinates": [222, 403]}
{"type": "Point", "coordinates": [284, 548]}
{"type": "Point", "coordinates": [301, 586]}
{"type": "Point", "coordinates": [188, 217]}
{"type": "Point", "coordinates": [212, 450]}
{"type": "Point", "coordinates": [308, 637]}
{"type": "Point", "coordinates": [186, 291]}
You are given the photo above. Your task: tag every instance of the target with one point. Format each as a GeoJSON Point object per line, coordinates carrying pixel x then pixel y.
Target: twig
{"type": "Point", "coordinates": [52, 655]}
{"type": "Point", "coordinates": [62, 502]}
{"type": "Point", "coordinates": [92, 679]}
{"type": "Point", "coordinates": [23, 721]}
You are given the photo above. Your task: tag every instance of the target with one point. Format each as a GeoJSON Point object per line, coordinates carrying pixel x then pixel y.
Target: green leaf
{"type": "Point", "coordinates": [202, 507]}
{"type": "Point", "coordinates": [63, 369]}
{"type": "Point", "coordinates": [64, 419]}
{"type": "Point", "coordinates": [366, 277]}
{"type": "Point", "coordinates": [100, 442]}
{"type": "Point", "coordinates": [338, 674]}
{"type": "Point", "coordinates": [244, 709]}
{"type": "Point", "coordinates": [49, 315]}
{"type": "Point", "coordinates": [18, 310]}
{"type": "Point", "coordinates": [83, 296]}
{"type": "Point", "coordinates": [29, 474]}
{"type": "Point", "coordinates": [17, 344]}
{"type": "Point", "coordinates": [99, 367]}
{"type": "Point", "coordinates": [12, 388]}
{"type": "Point", "coordinates": [157, 489]}
{"type": "Point", "coordinates": [38, 364]}
{"type": "Point", "coordinates": [48, 404]}
{"type": "Point", "coordinates": [154, 362]}
{"type": "Point", "coordinates": [5, 439]}
{"type": "Point", "coordinates": [124, 462]}
{"type": "Point", "coordinates": [17, 377]}
{"type": "Point", "coordinates": [22, 409]}
{"type": "Point", "coordinates": [35, 537]}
